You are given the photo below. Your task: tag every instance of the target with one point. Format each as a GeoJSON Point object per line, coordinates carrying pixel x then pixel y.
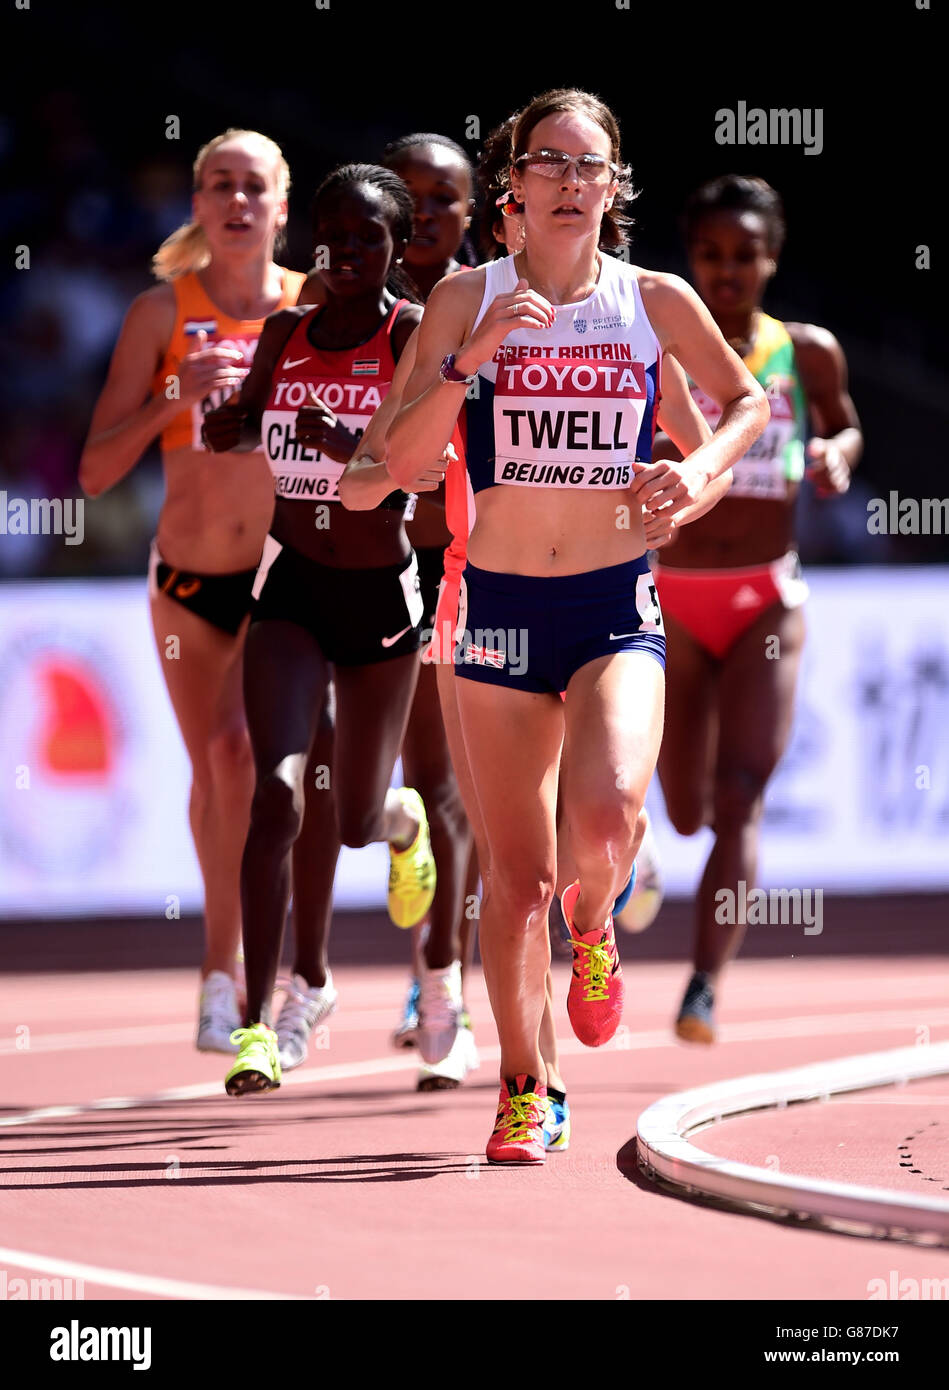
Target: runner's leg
{"type": "Point", "coordinates": [756, 703]}
{"type": "Point", "coordinates": [202, 667]}
{"type": "Point", "coordinates": [285, 680]}
{"type": "Point", "coordinates": [514, 739]}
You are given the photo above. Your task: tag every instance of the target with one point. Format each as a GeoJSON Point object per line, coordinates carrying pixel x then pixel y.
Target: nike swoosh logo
{"type": "Point", "coordinates": [388, 641]}
{"type": "Point", "coordinates": [618, 636]}
{"type": "Point", "coordinates": [295, 363]}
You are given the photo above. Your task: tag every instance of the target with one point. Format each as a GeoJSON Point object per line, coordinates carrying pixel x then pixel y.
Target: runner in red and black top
{"type": "Point", "coordinates": [439, 176]}
{"type": "Point", "coordinates": [438, 173]}
{"type": "Point", "coordinates": [338, 600]}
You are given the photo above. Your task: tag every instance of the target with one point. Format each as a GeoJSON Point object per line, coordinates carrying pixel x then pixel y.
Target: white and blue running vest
{"type": "Point", "coordinates": [572, 406]}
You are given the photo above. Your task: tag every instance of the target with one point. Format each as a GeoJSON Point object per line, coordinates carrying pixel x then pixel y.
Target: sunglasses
{"type": "Point", "coordinates": [553, 164]}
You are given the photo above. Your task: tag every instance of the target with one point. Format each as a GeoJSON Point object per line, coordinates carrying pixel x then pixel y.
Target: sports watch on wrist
{"type": "Point", "coordinates": [448, 372]}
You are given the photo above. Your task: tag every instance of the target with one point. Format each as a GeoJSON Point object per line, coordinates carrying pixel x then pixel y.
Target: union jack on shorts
{"type": "Point", "coordinates": [484, 656]}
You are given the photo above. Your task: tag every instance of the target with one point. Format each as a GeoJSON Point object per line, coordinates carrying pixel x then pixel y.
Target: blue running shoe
{"type": "Point", "coordinates": [558, 932]}
{"type": "Point", "coordinates": [645, 898]}
{"type": "Point", "coordinates": [624, 897]}
{"type": "Point", "coordinates": [696, 1021]}
{"type": "Point", "coordinates": [557, 1125]}
{"type": "Point", "coordinates": [405, 1034]}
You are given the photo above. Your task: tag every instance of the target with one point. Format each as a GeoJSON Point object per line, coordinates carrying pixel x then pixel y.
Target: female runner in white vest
{"type": "Point", "coordinates": [566, 346]}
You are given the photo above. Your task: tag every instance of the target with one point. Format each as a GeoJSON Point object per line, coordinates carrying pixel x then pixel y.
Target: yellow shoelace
{"type": "Point", "coordinates": [241, 1036]}
{"type": "Point", "coordinates": [525, 1112]}
{"type": "Point", "coordinates": [599, 966]}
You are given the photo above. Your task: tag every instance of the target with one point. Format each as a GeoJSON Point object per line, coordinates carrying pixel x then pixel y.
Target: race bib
{"type": "Point", "coordinates": [566, 423]}
{"type": "Point", "coordinates": [246, 346]}
{"type": "Point", "coordinates": [301, 472]}
{"type": "Point", "coordinates": [761, 472]}
{"type": "Point", "coordinates": [759, 478]}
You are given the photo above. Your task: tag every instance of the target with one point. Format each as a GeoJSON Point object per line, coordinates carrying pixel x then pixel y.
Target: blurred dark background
{"type": "Point", "coordinates": [91, 185]}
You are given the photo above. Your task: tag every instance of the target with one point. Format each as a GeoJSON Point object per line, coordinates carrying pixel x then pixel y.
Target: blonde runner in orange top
{"type": "Point", "coordinates": [195, 313]}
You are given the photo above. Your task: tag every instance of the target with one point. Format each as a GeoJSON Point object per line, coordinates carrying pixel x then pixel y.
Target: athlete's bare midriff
{"type": "Point", "coordinates": [427, 528]}
{"type": "Point", "coordinates": [330, 535]}
{"type": "Point", "coordinates": [548, 531]}
{"type": "Point", "coordinates": [216, 511]}
{"type": "Point", "coordinates": [739, 531]}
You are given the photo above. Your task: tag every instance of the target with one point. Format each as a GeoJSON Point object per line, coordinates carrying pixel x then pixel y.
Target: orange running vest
{"type": "Point", "coordinates": [194, 311]}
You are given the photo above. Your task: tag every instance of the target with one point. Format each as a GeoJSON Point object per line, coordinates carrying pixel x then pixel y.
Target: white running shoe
{"type": "Point", "coordinates": [302, 1010]}
{"type": "Point", "coordinates": [218, 1014]}
{"type": "Point", "coordinates": [646, 898]}
{"type": "Point", "coordinates": [439, 1009]}
{"type": "Point", "coordinates": [463, 1058]}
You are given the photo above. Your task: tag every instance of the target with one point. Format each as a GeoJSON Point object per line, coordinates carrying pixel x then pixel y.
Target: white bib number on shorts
{"type": "Point", "coordinates": [412, 591]}
{"type": "Point", "coordinates": [647, 604]}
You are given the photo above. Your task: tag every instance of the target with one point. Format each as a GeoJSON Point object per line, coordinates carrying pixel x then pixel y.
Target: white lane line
{"type": "Point", "coordinates": [124, 1279]}
{"type": "Point", "coordinates": [352, 1021]}
{"type": "Point", "coordinates": [806, 1025]}
{"type": "Point", "coordinates": [931, 985]}
{"type": "Point", "coordinates": [95, 1038]}
{"type": "Point", "coordinates": [664, 1148]}
{"type": "Point", "coordinates": [811, 1025]}
{"type": "Point", "coordinates": [205, 1090]}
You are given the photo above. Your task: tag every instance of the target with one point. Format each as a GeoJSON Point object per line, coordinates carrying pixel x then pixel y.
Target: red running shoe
{"type": "Point", "coordinates": [519, 1128]}
{"type": "Point", "coordinates": [595, 999]}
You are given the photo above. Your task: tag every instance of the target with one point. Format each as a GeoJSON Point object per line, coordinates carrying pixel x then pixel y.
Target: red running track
{"type": "Point", "coordinates": [346, 1183]}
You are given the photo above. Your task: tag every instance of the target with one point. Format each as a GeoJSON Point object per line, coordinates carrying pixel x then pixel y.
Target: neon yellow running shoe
{"type": "Point", "coordinates": [257, 1067]}
{"type": "Point", "coordinates": [412, 870]}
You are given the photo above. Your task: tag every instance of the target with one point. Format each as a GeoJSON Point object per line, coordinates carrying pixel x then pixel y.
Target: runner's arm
{"type": "Point", "coordinates": [426, 419]}
{"type": "Point", "coordinates": [683, 423]}
{"type": "Point", "coordinates": [127, 417]}
{"type": "Point", "coordinates": [686, 329]}
{"type": "Point", "coordinates": [834, 449]}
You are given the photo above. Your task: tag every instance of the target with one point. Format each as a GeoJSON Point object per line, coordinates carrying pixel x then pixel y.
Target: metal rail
{"type": "Point", "coordinates": [665, 1151]}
